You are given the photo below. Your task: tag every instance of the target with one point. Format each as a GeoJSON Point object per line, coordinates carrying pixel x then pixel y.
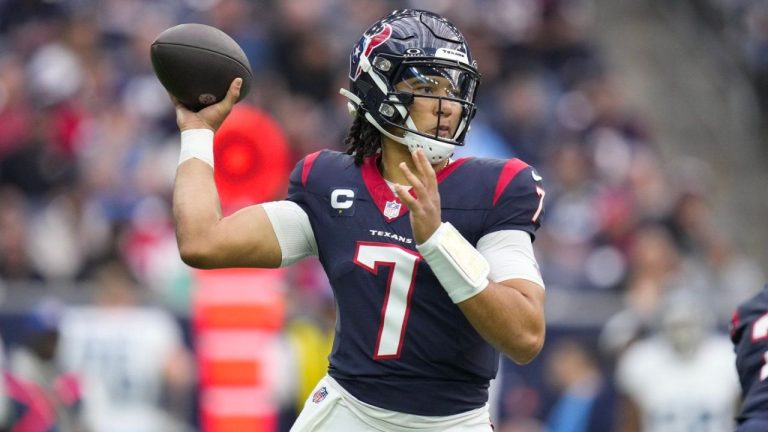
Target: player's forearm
{"type": "Point", "coordinates": [206, 239]}
{"type": "Point", "coordinates": [508, 318]}
{"type": "Point", "coordinates": [509, 315]}
{"type": "Point", "coordinates": [196, 209]}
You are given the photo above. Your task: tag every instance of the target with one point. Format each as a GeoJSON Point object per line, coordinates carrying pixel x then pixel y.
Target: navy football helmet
{"type": "Point", "coordinates": [422, 49]}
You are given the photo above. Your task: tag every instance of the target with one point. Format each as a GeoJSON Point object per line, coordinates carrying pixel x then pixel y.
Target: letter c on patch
{"type": "Point", "coordinates": [342, 198]}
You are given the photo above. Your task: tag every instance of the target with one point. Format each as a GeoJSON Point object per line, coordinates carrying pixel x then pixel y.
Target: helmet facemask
{"type": "Point", "coordinates": [447, 90]}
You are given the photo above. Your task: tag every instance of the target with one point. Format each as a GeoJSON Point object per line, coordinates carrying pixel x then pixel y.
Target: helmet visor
{"type": "Point", "coordinates": [438, 81]}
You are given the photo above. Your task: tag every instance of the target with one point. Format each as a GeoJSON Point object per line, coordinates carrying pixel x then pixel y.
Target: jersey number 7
{"type": "Point", "coordinates": [402, 265]}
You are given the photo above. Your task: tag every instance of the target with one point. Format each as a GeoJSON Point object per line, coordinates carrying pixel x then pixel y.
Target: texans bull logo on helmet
{"type": "Point", "coordinates": [376, 38]}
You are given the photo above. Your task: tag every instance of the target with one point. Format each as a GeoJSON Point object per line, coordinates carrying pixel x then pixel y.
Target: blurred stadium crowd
{"type": "Point", "coordinates": [88, 148]}
{"type": "Point", "coordinates": [743, 24]}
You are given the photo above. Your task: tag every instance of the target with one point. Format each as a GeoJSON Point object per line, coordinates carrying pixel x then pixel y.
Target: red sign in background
{"type": "Point", "coordinates": [238, 313]}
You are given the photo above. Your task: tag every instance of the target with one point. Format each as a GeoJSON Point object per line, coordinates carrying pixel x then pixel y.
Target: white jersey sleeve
{"type": "Point", "coordinates": [510, 255]}
{"type": "Point", "coordinates": [293, 230]}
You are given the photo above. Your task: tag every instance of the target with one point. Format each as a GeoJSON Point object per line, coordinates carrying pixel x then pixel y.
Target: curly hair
{"type": "Point", "coordinates": [363, 139]}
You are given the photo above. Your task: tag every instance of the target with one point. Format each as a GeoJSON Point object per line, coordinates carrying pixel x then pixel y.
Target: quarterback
{"type": "Point", "coordinates": [430, 258]}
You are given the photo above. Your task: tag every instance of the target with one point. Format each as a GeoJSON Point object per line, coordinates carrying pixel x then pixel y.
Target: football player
{"type": "Point", "coordinates": [682, 377]}
{"type": "Point", "coordinates": [749, 334]}
{"type": "Point", "coordinates": [430, 258]}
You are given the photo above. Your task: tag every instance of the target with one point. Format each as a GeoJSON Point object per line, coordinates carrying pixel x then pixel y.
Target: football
{"type": "Point", "coordinates": [196, 63]}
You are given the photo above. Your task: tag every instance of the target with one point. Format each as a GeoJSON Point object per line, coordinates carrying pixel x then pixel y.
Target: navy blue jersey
{"type": "Point", "coordinates": [400, 343]}
{"type": "Point", "coordinates": [749, 333]}
{"type": "Point", "coordinates": [753, 425]}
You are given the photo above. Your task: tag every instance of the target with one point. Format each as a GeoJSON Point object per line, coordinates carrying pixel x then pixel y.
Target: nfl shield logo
{"type": "Point", "coordinates": [392, 209]}
{"type": "Point", "coordinates": [319, 395]}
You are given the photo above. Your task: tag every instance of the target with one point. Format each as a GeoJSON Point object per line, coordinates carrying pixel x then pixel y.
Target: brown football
{"type": "Point", "coordinates": [196, 63]}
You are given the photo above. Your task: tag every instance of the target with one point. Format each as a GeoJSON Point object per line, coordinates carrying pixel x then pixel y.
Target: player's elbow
{"type": "Point", "coordinates": [526, 348]}
{"type": "Point", "coordinates": [195, 253]}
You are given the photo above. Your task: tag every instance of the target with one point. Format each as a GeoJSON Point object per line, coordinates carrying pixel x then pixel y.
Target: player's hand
{"type": "Point", "coordinates": [425, 207]}
{"type": "Point", "coordinates": [210, 117]}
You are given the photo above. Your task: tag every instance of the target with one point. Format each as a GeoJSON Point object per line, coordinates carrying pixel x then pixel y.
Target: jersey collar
{"type": "Point", "coordinates": [383, 197]}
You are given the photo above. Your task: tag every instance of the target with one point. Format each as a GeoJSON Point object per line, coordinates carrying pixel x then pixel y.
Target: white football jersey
{"type": "Point", "coordinates": [681, 395]}
{"type": "Point", "coordinates": [120, 354]}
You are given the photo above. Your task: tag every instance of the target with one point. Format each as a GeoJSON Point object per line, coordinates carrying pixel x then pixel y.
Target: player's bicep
{"type": "Point", "coordinates": [243, 239]}
{"type": "Point", "coordinates": [272, 234]}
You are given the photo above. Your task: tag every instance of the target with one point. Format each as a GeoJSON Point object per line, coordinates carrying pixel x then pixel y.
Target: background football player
{"type": "Point", "coordinates": [660, 378]}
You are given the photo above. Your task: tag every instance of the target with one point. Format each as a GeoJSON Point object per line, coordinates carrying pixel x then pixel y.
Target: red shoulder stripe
{"type": "Point", "coordinates": [510, 170]}
{"type": "Point", "coordinates": [308, 161]}
{"type": "Point", "coordinates": [445, 172]}
{"type": "Point", "coordinates": [735, 322]}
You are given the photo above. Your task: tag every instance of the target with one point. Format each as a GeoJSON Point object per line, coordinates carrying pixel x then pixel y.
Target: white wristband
{"type": "Point", "coordinates": [197, 144]}
{"type": "Point", "coordinates": [460, 268]}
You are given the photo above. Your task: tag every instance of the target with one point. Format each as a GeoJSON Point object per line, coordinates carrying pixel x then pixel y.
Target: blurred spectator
{"type": "Point", "coordinates": [572, 224]}
{"type": "Point", "coordinates": [29, 24]}
{"type": "Point", "coordinates": [520, 401]}
{"type": "Point", "coordinates": [682, 378]}
{"type": "Point", "coordinates": [756, 47]}
{"type": "Point", "coordinates": [16, 114]}
{"type": "Point", "coordinates": [732, 275]}
{"type": "Point", "coordinates": [34, 364]}
{"type": "Point", "coordinates": [656, 267]}
{"type": "Point", "coordinates": [743, 25]}
{"type": "Point", "coordinates": [148, 243]}
{"type": "Point", "coordinates": [562, 41]}
{"type": "Point", "coordinates": [735, 274]}
{"type": "Point", "coordinates": [137, 376]}
{"type": "Point", "coordinates": [15, 258]}
{"type": "Point", "coordinates": [78, 228]}
{"type": "Point", "coordinates": [523, 115]}
{"type": "Point", "coordinates": [584, 392]}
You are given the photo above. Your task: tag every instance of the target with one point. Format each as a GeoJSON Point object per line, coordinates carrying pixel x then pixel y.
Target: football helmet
{"type": "Point", "coordinates": [418, 48]}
